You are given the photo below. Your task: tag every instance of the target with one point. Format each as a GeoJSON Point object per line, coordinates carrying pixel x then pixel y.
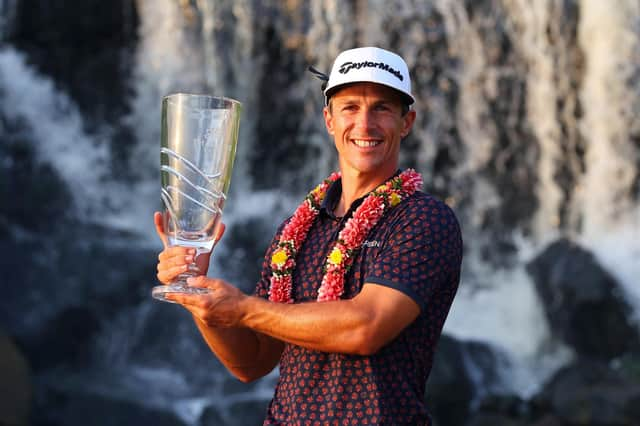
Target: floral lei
{"type": "Point", "coordinates": [350, 239]}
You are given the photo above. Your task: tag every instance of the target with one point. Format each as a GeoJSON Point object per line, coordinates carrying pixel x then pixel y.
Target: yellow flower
{"type": "Point", "coordinates": [279, 258]}
{"type": "Point", "coordinates": [335, 257]}
{"type": "Point", "coordinates": [381, 188]}
{"type": "Point", "coordinates": [394, 199]}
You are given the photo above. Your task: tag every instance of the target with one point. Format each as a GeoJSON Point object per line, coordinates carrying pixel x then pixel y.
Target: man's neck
{"type": "Point", "coordinates": [354, 186]}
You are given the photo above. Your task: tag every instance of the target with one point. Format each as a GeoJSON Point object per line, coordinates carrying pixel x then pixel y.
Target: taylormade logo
{"type": "Point", "coordinates": [348, 66]}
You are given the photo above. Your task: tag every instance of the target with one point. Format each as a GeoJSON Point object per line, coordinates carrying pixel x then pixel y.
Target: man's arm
{"type": "Point", "coordinates": [361, 325]}
{"type": "Point", "coordinates": [246, 354]}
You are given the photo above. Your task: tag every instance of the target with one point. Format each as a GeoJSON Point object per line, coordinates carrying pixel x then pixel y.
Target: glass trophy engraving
{"type": "Point", "coordinates": [199, 134]}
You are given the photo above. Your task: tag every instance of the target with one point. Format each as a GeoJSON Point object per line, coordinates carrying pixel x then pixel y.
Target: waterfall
{"type": "Point", "coordinates": [528, 127]}
{"type": "Point", "coordinates": [609, 189]}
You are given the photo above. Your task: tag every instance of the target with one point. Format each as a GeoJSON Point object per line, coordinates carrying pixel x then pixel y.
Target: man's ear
{"type": "Point", "coordinates": [408, 121]}
{"type": "Point", "coordinates": [328, 120]}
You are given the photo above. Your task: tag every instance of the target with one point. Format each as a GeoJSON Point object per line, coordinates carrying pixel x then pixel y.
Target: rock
{"type": "Point", "coordinates": [67, 339]}
{"type": "Point", "coordinates": [583, 302]}
{"type": "Point", "coordinates": [507, 405]}
{"type": "Point", "coordinates": [83, 47]}
{"type": "Point", "coordinates": [82, 407]}
{"type": "Point", "coordinates": [628, 366]}
{"type": "Point", "coordinates": [211, 417]}
{"type": "Point", "coordinates": [240, 413]}
{"type": "Point", "coordinates": [247, 413]}
{"type": "Point", "coordinates": [72, 267]}
{"type": "Point", "coordinates": [548, 420]}
{"type": "Point", "coordinates": [15, 385]}
{"type": "Point", "coordinates": [233, 386]}
{"type": "Point", "coordinates": [461, 372]}
{"type": "Point", "coordinates": [590, 392]}
{"type": "Point", "coordinates": [493, 420]}
{"type": "Point", "coordinates": [34, 188]}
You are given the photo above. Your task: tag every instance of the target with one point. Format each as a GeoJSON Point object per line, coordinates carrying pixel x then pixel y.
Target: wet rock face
{"type": "Point", "coordinates": [33, 195]}
{"type": "Point", "coordinates": [84, 46]}
{"type": "Point", "coordinates": [69, 407]}
{"type": "Point", "coordinates": [15, 387]}
{"type": "Point", "coordinates": [590, 392]}
{"type": "Point", "coordinates": [72, 283]}
{"type": "Point", "coordinates": [462, 373]}
{"type": "Point", "coordinates": [583, 302]}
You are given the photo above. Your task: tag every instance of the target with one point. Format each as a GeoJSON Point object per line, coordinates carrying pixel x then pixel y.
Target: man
{"type": "Point", "coordinates": [356, 285]}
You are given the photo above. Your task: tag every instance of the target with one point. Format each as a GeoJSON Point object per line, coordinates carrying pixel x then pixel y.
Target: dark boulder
{"type": "Point", "coordinates": [86, 48]}
{"type": "Point", "coordinates": [248, 413]}
{"type": "Point", "coordinates": [244, 412]}
{"type": "Point", "coordinates": [590, 392]}
{"type": "Point", "coordinates": [15, 385]}
{"type": "Point", "coordinates": [462, 373]}
{"type": "Point", "coordinates": [549, 420]}
{"type": "Point", "coordinates": [583, 302]}
{"type": "Point", "coordinates": [503, 408]}
{"type": "Point", "coordinates": [67, 339]}
{"type": "Point", "coordinates": [483, 419]}
{"type": "Point", "coordinates": [84, 407]}
{"type": "Point", "coordinates": [211, 416]}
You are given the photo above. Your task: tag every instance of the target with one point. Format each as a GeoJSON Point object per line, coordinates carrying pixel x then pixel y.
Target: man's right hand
{"type": "Point", "coordinates": [177, 260]}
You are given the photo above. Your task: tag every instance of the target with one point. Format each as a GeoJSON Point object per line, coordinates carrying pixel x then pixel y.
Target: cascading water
{"type": "Point", "coordinates": [527, 126]}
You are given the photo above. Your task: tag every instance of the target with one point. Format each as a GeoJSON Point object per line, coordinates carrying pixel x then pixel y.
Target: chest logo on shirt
{"type": "Point", "coordinates": [370, 244]}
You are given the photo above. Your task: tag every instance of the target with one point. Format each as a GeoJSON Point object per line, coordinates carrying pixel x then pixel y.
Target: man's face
{"type": "Point", "coordinates": [366, 122]}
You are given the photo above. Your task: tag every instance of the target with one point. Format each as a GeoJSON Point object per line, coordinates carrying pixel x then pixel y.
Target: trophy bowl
{"type": "Point", "coordinates": [199, 134]}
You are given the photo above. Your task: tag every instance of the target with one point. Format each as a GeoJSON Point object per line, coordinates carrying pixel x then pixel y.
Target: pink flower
{"type": "Point", "coordinates": [349, 233]}
{"type": "Point", "coordinates": [370, 211]}
{"type": "Point", "coordinates": [280, 290]}
{"type": "Point", "coordinates": [411, 180]}
{"type": "Point", "coordinates": [332, 287]}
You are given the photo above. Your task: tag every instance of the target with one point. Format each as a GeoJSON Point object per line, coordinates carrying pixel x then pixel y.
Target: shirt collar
{"type": "Point", "coordinates": [332, 198]}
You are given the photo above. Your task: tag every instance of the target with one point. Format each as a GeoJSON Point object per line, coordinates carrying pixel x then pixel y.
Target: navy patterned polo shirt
{"type": "Point", "coordinates": [415, 248]}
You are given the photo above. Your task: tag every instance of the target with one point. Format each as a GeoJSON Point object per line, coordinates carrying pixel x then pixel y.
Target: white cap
{"type": "Point", "coordinates": [370, 64]}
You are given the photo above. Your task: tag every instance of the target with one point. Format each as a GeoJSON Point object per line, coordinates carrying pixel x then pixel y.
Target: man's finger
{"type": "Point", "coordinates": [188, 300]}
{"type": "Point", "coordinates": [159, 222]}
{"type": "Point", "coordinates": [180, 298]}
{"type": "Point", "coordinates": [219, 232]}
{"type": "Point", "coordinates": [176, 261]}
{"type": "Point", "coordinates": [175, 251]}
{"type": "Point", "coordinates": [200, 281]}
{"type": "Point", "coordinates": [167, 276]}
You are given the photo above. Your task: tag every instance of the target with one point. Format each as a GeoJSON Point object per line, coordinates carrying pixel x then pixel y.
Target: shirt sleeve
{"type": "Point", "coordinates": [422, 252]}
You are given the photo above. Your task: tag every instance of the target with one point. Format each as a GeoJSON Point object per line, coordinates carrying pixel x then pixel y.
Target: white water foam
{"type": "Point", "coordinates": [56, 126]}
{"type": "Point", "coordinates": [500, 306]}
{"type": "Point", "coordinates": [611, 217]}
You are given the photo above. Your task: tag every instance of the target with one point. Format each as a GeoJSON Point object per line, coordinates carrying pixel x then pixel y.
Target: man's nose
{"type": "Point", "coordinates": [365, 119]}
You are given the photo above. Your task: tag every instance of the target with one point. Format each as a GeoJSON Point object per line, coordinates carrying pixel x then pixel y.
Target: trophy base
{"type": "Point", "coordinates": [159, 292]}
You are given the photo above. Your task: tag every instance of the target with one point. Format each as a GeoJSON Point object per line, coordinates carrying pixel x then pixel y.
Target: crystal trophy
{"type": "Point", "coordinates": [199, 134]}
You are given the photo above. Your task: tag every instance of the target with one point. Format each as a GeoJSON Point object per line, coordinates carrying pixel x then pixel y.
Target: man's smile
{"type": "Point", "coordinates": [365, 143]}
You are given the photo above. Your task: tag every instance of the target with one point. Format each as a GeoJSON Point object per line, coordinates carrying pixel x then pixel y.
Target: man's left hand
{"type": "Point", "coordinates": [220, 307]}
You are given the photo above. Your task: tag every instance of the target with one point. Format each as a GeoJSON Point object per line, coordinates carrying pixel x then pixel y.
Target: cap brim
{"type": "Point", "coordinates": [406, 98]}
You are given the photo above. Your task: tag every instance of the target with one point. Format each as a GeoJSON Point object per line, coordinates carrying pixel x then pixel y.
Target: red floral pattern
{"type": "Point", "coordinates": [416, 249]}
